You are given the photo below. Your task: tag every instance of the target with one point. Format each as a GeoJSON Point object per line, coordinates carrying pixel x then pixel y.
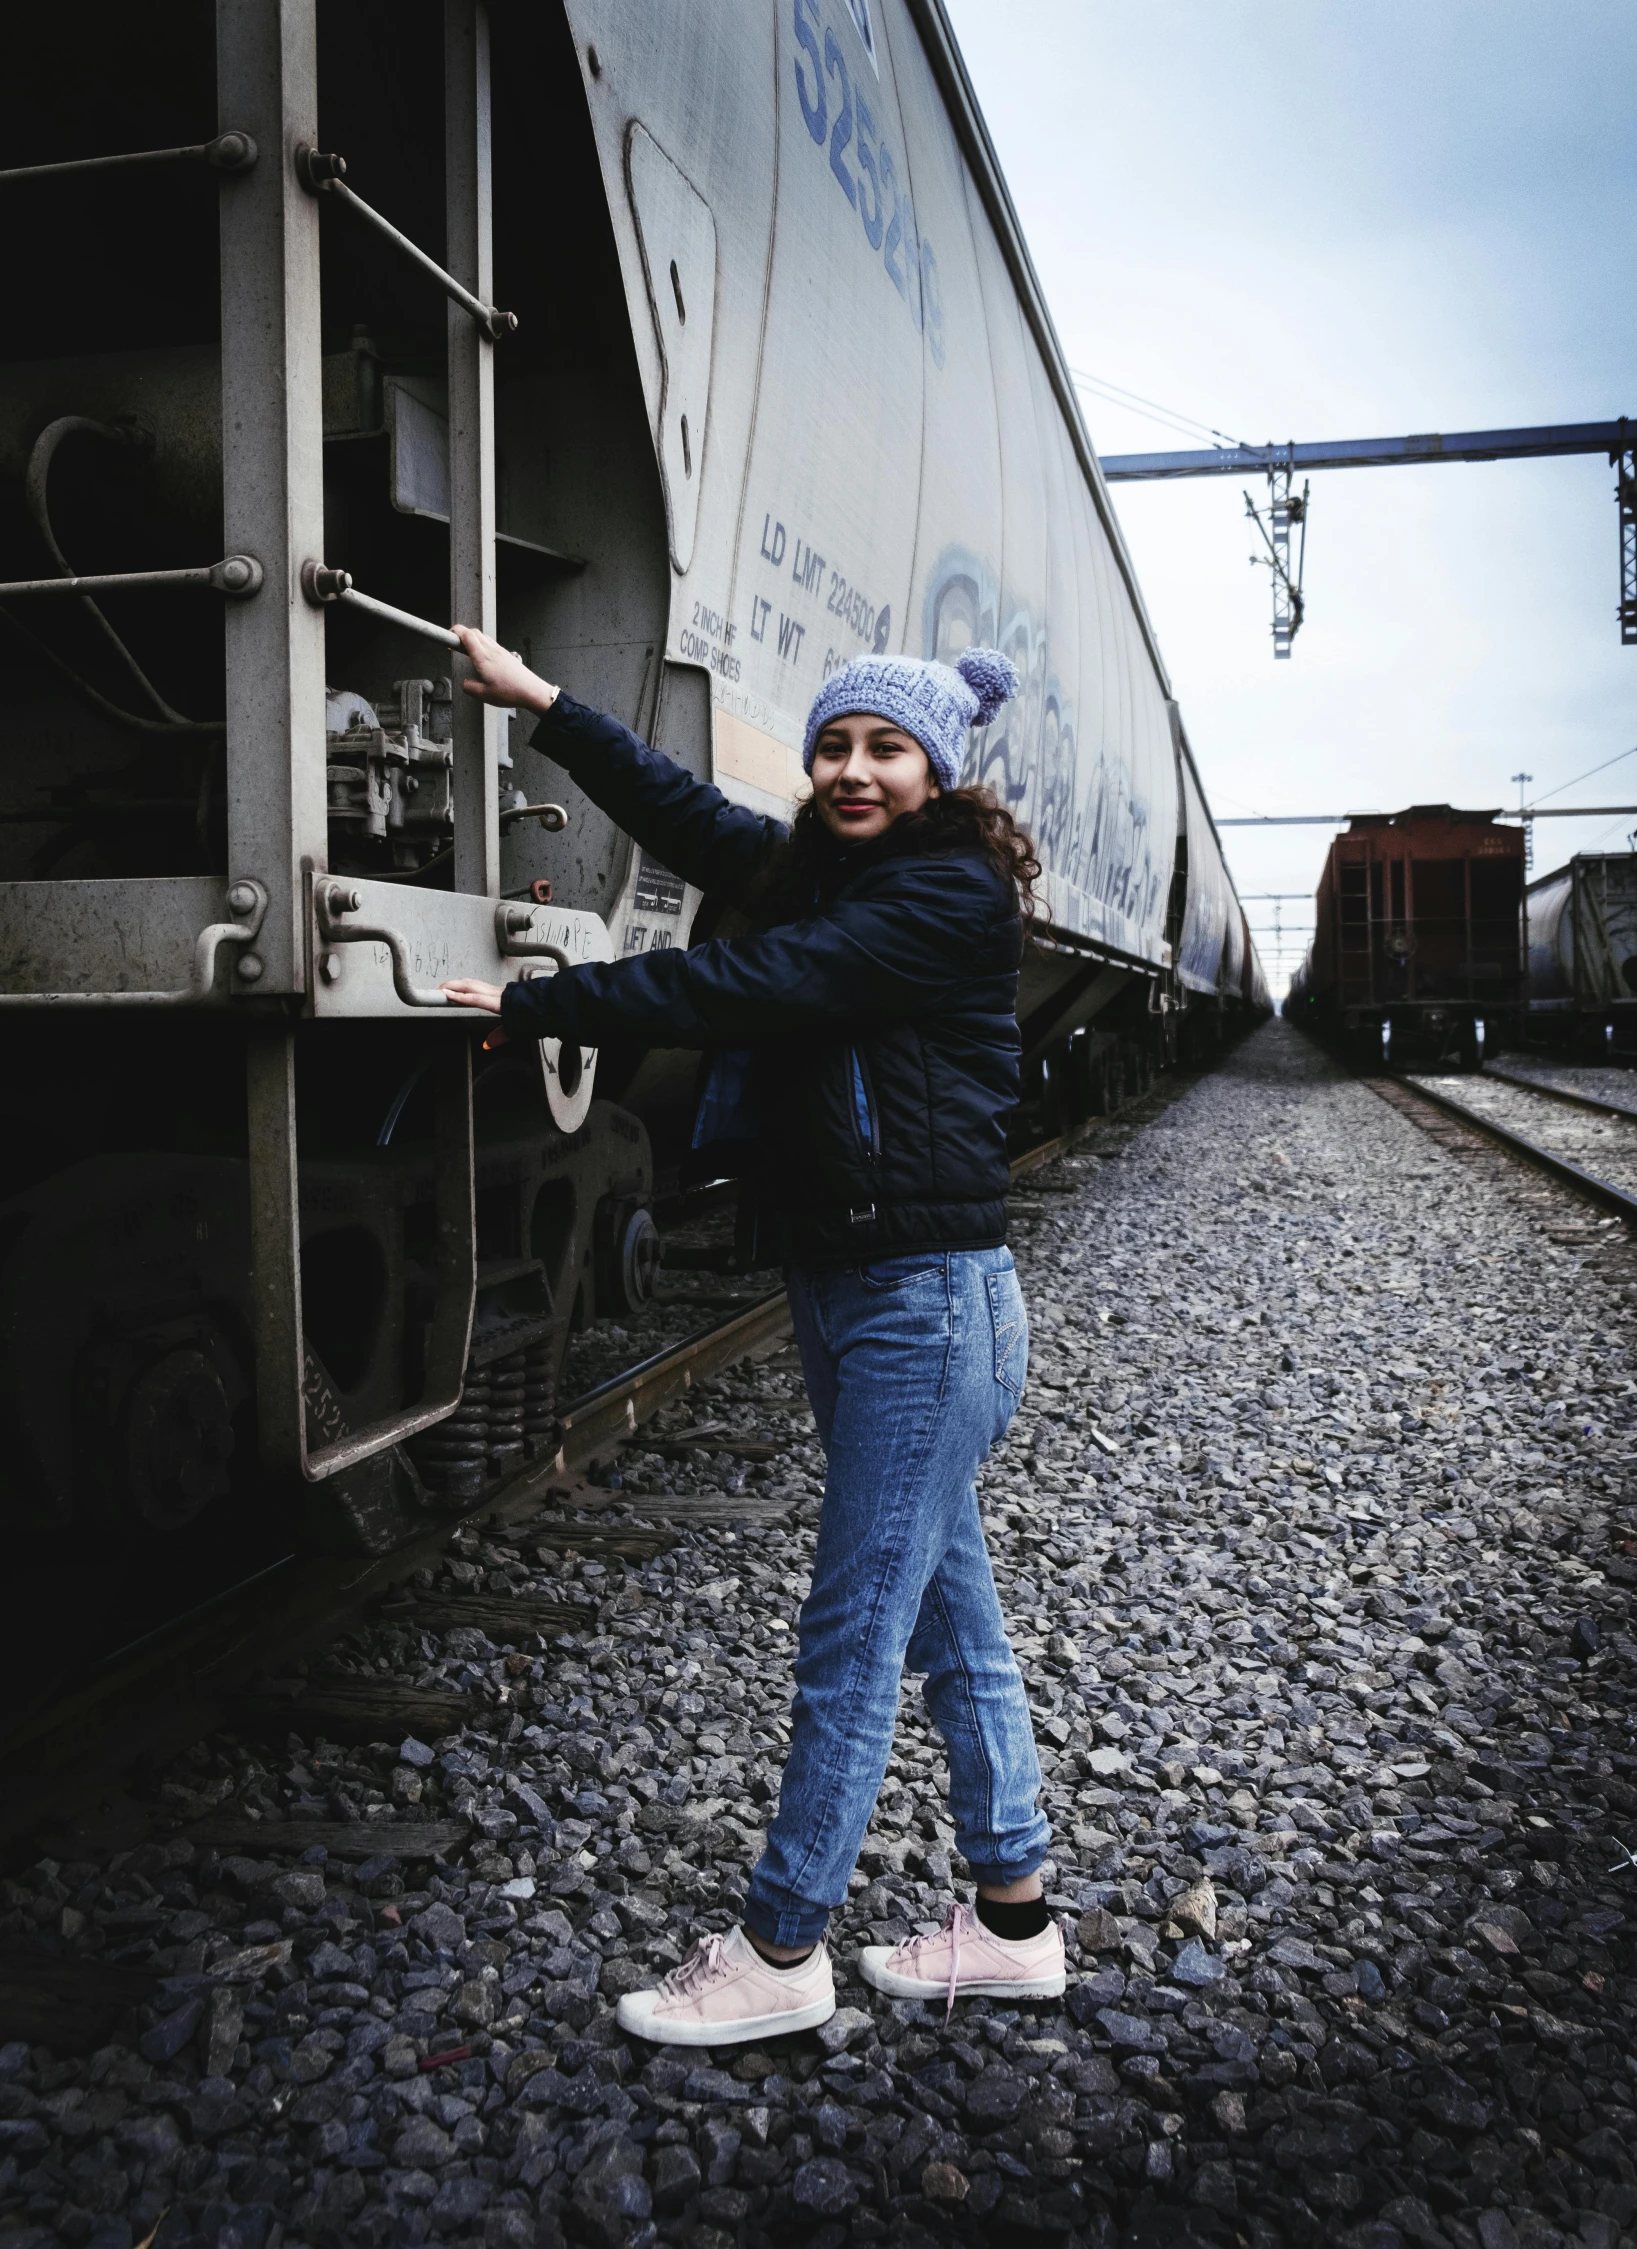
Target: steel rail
{"type": "Point", "coordinates": [1583, 1183]}
{"type": "Point", "coordinates": [1562, 1093]}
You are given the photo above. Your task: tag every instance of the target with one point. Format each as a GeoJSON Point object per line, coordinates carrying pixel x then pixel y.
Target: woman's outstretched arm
{"type": "Point", "coordinates": [927, 930]}
{"type": "Point", "coordinates": [688, 825]}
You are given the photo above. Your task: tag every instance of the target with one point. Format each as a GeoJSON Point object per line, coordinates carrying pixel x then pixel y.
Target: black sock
{"type": "Point", "coordinates": [1013, 1923]}
{"type": "Point", "coordinates": [768, 1959]}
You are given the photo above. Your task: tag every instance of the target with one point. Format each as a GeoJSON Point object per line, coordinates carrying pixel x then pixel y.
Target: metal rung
{"type": "Point", "coordinates": [322, 174]}
{"type": "Point", "coordinates": [333, 900]}
{"type": "Point", "coordinates": [228, 152]}
{"type": "Point", "coordinates": [515, 939]}
{"type": "Point", "coordinates": [239, 575]}
{"type": "Point", "coordinates": [324, 586]}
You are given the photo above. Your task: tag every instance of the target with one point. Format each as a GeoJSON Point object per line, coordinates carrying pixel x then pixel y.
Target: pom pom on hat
{"type": "Point", "coordinates": [936, 703]}
{"type": "Point", "coordinates": [992, 678]}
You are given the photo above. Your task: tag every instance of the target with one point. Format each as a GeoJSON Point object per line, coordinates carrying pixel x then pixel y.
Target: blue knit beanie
{"type": "Point", "coordinates": [936, 703]}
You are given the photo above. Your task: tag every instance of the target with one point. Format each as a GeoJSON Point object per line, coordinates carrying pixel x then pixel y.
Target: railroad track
{"type": "Point", "coordinates": [192, 1675]}
{"type": "Point", "coordinates": [1413, 1096]}
{"type": "Point", "coordinates": [1563, 1093]}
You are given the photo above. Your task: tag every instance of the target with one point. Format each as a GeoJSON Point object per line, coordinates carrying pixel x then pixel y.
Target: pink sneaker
{"type": "Point", "coordinates": [726, 1994]}
{"type": "Point", "coordinates": [963, 1958]}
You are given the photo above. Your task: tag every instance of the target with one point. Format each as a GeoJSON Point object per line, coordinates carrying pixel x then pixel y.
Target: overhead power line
{"type": "Point", "coordinates": [1151, 410]}
{"type": "Point", "coordinates": [1586, 776]}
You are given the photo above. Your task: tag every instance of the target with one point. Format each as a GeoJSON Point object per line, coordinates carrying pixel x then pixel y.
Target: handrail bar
{"type": "Point", "coordinates": [248, 899]}
{"type": "Point", "coordinates": [228, 152]}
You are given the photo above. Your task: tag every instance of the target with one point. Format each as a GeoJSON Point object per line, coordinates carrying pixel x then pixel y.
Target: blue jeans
{"type": "Point", "coordinates": [914, 1367]}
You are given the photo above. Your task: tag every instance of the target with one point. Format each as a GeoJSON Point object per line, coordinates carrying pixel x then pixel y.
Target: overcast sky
{"type": "Point", "coordinates": [1352, 218]}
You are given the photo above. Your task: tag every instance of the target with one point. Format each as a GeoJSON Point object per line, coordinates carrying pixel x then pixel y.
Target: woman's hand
{"type": "Point", "coordinates": [467, 991]}
{"type": "Point", "coordinates": [500, 675]}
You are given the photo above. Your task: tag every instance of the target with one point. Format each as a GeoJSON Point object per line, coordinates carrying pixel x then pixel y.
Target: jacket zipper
{"type": "Point", "coordinates": [864, 1109]}
{"type": "Point", "coordinates": [862, 1103]}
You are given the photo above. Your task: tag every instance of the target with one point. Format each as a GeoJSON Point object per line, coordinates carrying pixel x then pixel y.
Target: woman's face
{"type": "Point", "coordinates": [866, 774]}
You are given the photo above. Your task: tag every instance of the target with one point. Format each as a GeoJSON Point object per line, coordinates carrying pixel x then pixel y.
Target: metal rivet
{"type": "Point", "coordinates": [241, 898]}
{"type": "Point", "coordinates": [232, 152]}
{"type": "Point", "coordinates": [320, 583]}
{"type": "Point", "coordinates": [252, 968]}
{"type": "Point", "coordinates": [315, 168]}
{"type": "Point", "coordinates": [329, 968]}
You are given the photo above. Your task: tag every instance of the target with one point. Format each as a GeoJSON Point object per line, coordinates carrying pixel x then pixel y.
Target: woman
{"type": "Point", "coordinates": [866, 1045]}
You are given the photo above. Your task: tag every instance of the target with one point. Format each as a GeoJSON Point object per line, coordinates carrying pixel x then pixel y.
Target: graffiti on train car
{"type": "Point", "coordinates": [859, 10]}
{"type": "Point", "coordinates": [1091, 831]}
{"type": "Point", "coordinates": [869, 180]}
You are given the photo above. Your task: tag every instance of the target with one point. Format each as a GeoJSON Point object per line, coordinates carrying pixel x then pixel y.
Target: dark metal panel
{"type": "Point", "coordinates": [288, 1383]}
{"type": "Point", "coordinates": [272, 468]}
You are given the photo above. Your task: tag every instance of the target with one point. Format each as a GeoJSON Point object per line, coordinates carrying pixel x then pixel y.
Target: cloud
{"type": "Point", "coordinates": [1339, 220]}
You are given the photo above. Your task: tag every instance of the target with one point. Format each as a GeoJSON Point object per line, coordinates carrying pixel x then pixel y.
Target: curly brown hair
{"type": "Point", "coordinates": [955, 820]}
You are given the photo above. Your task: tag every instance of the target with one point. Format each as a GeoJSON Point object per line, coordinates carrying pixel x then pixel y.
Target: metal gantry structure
{"type": "Point", "coordinates": [1286, 511]}
{"type": "Point", "coordinates": [1278, 899]}
{"type": "Point", "coordinates": [1616, 441]}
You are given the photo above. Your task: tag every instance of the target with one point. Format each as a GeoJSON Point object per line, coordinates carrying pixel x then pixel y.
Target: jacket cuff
{"type": "Point", "coordinates": [557, 731]}
{"type": "Point", "coordinates": [526, 1010]}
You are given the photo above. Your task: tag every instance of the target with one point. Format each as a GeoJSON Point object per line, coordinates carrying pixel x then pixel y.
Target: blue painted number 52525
{"type": "Point", "coordinates": [873, 189]}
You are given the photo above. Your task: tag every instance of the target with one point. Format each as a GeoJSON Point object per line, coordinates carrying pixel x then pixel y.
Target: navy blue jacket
{"type": "Point", "coordinates": [882, 1025]}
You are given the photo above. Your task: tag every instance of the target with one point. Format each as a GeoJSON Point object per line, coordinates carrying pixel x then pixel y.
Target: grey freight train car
{"type": "Point", "coordinates": [690, 349]}
{"type": "Point", "coordinates": [1582, 936]}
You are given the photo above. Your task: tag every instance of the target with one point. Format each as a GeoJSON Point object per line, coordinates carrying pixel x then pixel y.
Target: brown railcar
{"type": "Point", "coordinates": [1418, 942]}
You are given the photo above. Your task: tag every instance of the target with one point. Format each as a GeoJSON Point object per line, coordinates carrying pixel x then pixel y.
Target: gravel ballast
{"type": "Point", "coordinates": [1313, 1535]}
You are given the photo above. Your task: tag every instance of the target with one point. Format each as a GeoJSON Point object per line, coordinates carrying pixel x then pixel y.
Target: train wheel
{"type": "Point", "coordinates": [627, 1256]}
{"type": "Point", "coordinates": [178, 1435]}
